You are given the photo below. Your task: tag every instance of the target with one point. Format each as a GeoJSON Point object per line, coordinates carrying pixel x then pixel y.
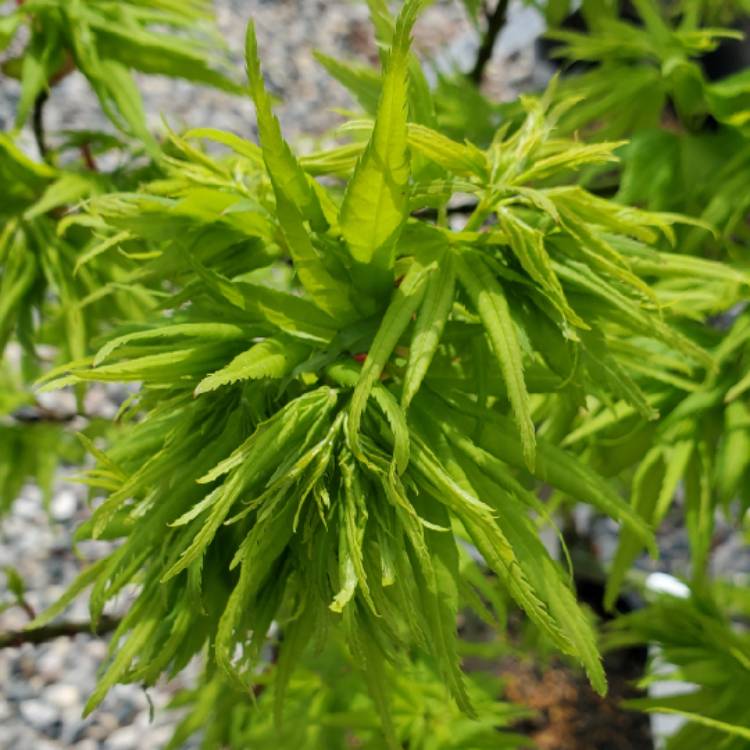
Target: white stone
{"type": "Point", "coordinates": [38, 714]}
{"type": "Point", "coordinates": [64, 505]}
{"type": "Point", "coordinates": [125, 738]}
{"type": "Point", "coordinates": [62, 695]}
{"type": "Point", "coordinates": [50, 665]}
{"type": "Point", "coordinates": [663, 583]}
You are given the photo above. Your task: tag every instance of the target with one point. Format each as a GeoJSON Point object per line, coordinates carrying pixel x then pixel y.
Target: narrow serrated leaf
{"type": "Point", "coordinates": [376, 201]}
{"type": "Point", "coordinates": [490, 302]}
{"type": "Point", "coordinates": [397, 317]}
{"type": "Point", "coordinates": [433, 314]}
{"type": "Point", "coordinates": [286, 174]}
{"type": "Point", "coordinates": [272, 358]}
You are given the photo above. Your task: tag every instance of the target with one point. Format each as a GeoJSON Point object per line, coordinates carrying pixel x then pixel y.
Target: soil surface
{"type": "Point", "coordinates": [569, 715]}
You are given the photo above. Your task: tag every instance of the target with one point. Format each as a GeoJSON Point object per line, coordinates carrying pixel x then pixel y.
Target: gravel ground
{"type": "Point", "coordinates": [43, 688]}
{"type": "Point", "coordinates": [289, 31]}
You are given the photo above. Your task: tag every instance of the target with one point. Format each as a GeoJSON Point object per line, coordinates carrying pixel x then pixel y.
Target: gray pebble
{"type": "Point", "coordinates": [125, 738]}
{"type": "Point", "coordinates": [63, 696]}
{"type": "Point", "coordinates": [39, 714]}
{"type": "Point", "coordinates": [64, 505]}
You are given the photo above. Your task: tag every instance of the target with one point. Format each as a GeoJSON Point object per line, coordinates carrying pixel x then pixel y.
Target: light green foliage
{"type": "Point", "coordinates": [654, 61]}
{"type": "Point", "coordinates": [361, 369]}
{"type": "Point", "coordinates": [708, 652]}
{"type": "Point", "coordinates": [326, 706]}
{"type": "Point", "coordinates": [296, 200]}
{"type": "Point", "coordinates": [327, 500]}
{"type": "Point", "coordinates": [700, 444]}
{"type": "Point", "coordinates": [375, 204]}
{"type": "Point", "coordinates": [489, 299]}
{"type": "Point", "coordinates": [57, 286]}
{"type": "Point", "coordinates": [64, 281]}
{"type": "Point", "coordinates": [28, 451]}
{"type": "Point", "coordinates": [433, 315]}
{"type": "Point", "coordinates": [105, 40]}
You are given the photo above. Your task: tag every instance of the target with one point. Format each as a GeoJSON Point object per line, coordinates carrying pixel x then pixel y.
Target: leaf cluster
{"type": "Point", "coordinates": [360, 370]}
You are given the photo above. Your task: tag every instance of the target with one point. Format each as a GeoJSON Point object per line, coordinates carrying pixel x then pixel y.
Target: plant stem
{"type": "Point", "coordinates": [495, 23]}
{"type": "Point", "coordinates": [88, 158]}
{"type": "Point", "coordinates": [434, 214]}
{"type": "Point", "coordinates": [260, 687]}
{"type": "Point", "coordinates": [15, 638]}
{"type": "Point", "coordinates": [38, 123]}
{"type": "Point", "coordinates": [36, 413]}
{"type": "Point", "coordinates": [65, 70]}
{"type": "Point", "coordinates": [24, 604]}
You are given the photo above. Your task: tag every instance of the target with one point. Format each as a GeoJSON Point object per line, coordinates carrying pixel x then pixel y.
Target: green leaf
{"type": "Point", "coordinates": [166, 366]}
{"type": "Point", "coordinates": [14, 582]}
{"type": "Point", "coordinates": [459, 158]}
{"type": "Point", "coordinates": [84, 579]}
{"type": "Point", "coordinates": [287, 176]}
{"type": "Point", "coordinates": [160, 54]}
{"type": "Point", "coordinates": [97, 248]}
{"type": "Point", "coordinates": [376, 201]}
{"type": "Point", "coordinates": [291, 314]}
{"type": "Point", "coordinates": [352, 523]}
{"type": "Point", "coordinates": [19, 273]}
{"type": "Point", "coordinates": [9, 25]}
{"type": "Point", "coordinates": [297, 634]}
{"type": "Point", "coordinates": [555, 466]}
{"type": "Point", "coordinates": [489, 538]}
{"type": "Point", "coordinates": [738, 388]}
{"type": "Point", "coordinates": [654, 486]}
{"type": "Point", "coordinates": [288, 422]}
{"type": "Point", "coordinates": [330, 294]}
{"type": "Point", "coordinates": [733, 457]}
{"type": "Point", "coordinates": [699, 508]}
{"type": "Point", "coordinates": [362, 82]}
{"type": "Point", "coordinates": [69, 188]}
{"type": "Point", "coordinates": [490, 302]}
{"type": "Point", "coordinates": [438, 588]}
{"type": "Point", "coordinates": [644, 494]}
{"type": "Point", "coordinates": [545, 576]}
{"type": "Point", "coordinates": [433, 314]}
{"type": "Point", "coordinates": [472, 9]}
{"type": "Point", "coordinates": [659, 706]}
{"type": "Point", "coordinates": [114, 85]}
{"type": "Point", "coordinates": [207, 331]}
{"type": "Point", "coordinates": [528, 246]}
{"type": "Point", "coordinates": [363, 643]}
{"type": "Point", "coordinates": [39, 60]}
{"type": "Point", "coordinates": [272, 358]}
{"type": "Point", "coordinates": [397, 317]}
{"type": "Point", "coordinates": [139, 639]}
{"type": "Point", "coordinates": [239, 145]}
{"type": "Point", "coordinates": [253, 460]}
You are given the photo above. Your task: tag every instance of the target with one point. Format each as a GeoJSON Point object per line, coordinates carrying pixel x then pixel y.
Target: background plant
{"type": "Point", "coordinates": [56, 296]}
{"type": "Point", "coordinates": [428, 321]}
